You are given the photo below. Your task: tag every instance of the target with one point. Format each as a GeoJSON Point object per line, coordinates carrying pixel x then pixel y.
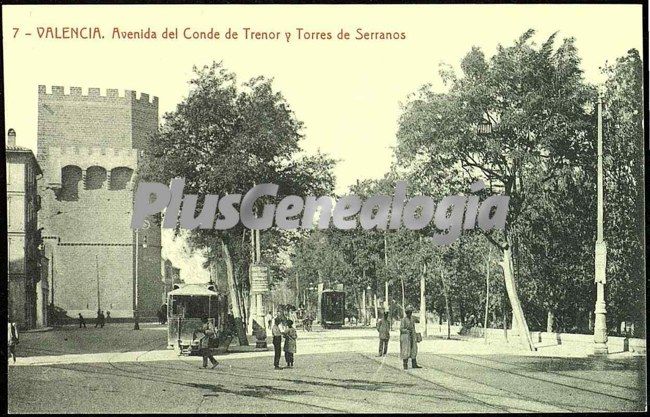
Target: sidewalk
{"type": "Point", "coordinates": [38, 329]}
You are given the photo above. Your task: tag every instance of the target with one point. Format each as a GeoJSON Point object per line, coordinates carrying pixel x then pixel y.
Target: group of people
{"type": "Point", "coordinates": [99, 322]}
{"type": "Point", "coordinates": [290, 335]}
{"type": "Point", "coordinates": [408, 339]}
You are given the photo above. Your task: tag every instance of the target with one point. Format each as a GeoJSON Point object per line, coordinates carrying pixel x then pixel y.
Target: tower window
{"type": "Point", "coordinates": [95, 178]}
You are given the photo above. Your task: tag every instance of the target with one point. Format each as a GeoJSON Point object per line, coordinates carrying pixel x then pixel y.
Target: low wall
{"type": "Point", "coordinates": [614, 343]}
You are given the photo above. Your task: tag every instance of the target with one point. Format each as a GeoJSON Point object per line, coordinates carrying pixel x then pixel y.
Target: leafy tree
{"type": "Point", "coordinates": [223, 139]}
{"type": "Point", "coordinates": [534, 101]}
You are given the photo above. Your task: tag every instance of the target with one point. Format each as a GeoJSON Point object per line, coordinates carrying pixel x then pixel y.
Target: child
{"type": "Point", "coordinates": [290, 336]}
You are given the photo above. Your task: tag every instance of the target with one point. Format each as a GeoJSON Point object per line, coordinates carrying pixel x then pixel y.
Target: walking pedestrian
{"type": "Point", "coordinates": [82, 322]}
{"type": "Point", "coordinates": [408, 339]}
{"type": "Point", "coordinates": [277, 343]}
{"type": "Point", "coordinates": [290, 336]}
{"type": "Point", "coordinates": [383, 327]}
{"type": "Point", "coordinates": [204, 343]}
{"type": "Point", "coordinates": [12, 339]}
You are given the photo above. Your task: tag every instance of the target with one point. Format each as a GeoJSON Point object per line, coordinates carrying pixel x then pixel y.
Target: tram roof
{"type": "Point", "coordinates": [193, 289]}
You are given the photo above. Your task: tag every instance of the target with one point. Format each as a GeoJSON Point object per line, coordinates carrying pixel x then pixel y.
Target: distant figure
{"type": "Point", "coordinates": [12, 339]}
{"type": "Point", "coordinates": [82, 322]}
{"type": "Point", "coordinates": [269, 320]}
{"type": "Point", "coordinates": [204, 343]}
{"type": "Point", "coordinates": [307, 321]}
{"type": "Point", "coordinates": [163, 313]}
{"type": "Point", "coordinates": [108, 316]}
{"type": "Point", "coordinates": [100, 319]}
{"type": "Point", "coordinates": [290, 336]}
{"type": "Point", "coordinates": [277, 342]}
{"type": "Point", "coordinates": [383, 327]}
{"type": "Point", "coordinates": [408, 340]}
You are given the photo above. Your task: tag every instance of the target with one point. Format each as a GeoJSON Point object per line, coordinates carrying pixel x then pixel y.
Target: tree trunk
{"type": "Point", "coordinates": [234, 297]}
{"type": "Point", "coordinates": [447, 307]}
{"type": "Point", "coordinates": [517, 311]}
{"type": "Point", "coordinates": [319, 315]}
{"type": "Point", "coordinates": [550, 319]}
{"type": "Point", "coordinates": [423, 304]}
{"type": "Point", "coordinates": [403, 298]}
{"type": "Point", "coordinates": [375, 305]}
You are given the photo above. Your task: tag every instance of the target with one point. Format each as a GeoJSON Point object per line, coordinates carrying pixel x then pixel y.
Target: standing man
{"type": "Point", "coordinates": [277, 343]}
{"type": "Point", "coordinates": [12, 339]}
{"type": "Point", "coordinates": [98, 320]}
{"type": "Point", "coordinates": [408, 339]}
{"type": "Point", "coordinates": [82, 322]}
{"type": "Point", "coordinates": [383, 327]}
{"type": "Point", "coordinates": [204, 343]}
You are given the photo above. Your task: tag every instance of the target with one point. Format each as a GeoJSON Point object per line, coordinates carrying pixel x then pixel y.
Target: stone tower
{"type": "Point", "coordinates": [89, 148]}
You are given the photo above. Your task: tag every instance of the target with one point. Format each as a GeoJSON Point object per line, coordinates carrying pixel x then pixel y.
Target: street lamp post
{"type": "Point", "coordinates": [600, 324]}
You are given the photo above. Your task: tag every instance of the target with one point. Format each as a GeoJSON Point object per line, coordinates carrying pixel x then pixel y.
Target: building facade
{"type": "Point", "coordinates": [89, 147]}
{"type": "Point", "coordinates": [27, 293]}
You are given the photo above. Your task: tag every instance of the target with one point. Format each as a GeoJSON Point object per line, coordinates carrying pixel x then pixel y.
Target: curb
{"type": "Point", "coordinates": [38, 330]}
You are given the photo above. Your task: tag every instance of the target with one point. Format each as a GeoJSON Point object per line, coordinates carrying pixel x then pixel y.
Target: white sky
{"type": "Point", "coordinates": [346, 92]}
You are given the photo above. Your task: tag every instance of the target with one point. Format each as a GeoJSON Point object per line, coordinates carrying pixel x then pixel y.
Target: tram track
{"type": "Point", "coordinates": [590, 391]}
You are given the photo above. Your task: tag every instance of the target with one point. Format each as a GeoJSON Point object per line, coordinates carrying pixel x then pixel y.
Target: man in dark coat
{"type": "Point", "coordinates": [383, 327]}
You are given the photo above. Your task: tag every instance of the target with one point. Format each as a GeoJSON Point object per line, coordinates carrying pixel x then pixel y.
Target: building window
{"type": "Point", "coordinates": [70, 178]}
{"type": "Point", "coordinates": [95, 178]}
{"type": "Point", "coordinates": [120, 177]}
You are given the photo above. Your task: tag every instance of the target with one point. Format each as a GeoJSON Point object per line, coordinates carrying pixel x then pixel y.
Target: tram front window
{"type": "Point", "coordinates": [193, 307]}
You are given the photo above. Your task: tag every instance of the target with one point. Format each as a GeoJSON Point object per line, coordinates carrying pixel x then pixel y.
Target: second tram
{"type": "Point", "coordinates": [332, 308]}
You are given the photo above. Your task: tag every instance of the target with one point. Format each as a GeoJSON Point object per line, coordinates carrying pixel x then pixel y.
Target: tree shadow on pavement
{"type": "Point", "coordinates": [259, 391]}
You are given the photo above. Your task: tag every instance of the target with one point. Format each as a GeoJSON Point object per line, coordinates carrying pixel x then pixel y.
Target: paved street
{"type": "Point", "coordinates": [335, 371]}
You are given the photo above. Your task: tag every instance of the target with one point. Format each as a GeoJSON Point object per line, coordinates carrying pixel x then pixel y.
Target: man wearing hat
{"type": "Point", "coordinates": [408, 340]}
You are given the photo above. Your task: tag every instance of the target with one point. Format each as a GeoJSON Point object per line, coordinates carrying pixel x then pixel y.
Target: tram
{"type": "Point", "coordinates": [332, 308]}
{"type": "Point", "coordinates": [187, 305]}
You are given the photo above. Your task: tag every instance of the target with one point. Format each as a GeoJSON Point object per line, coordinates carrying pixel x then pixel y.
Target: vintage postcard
{"type": "Point", "coordinates": [417, 208]}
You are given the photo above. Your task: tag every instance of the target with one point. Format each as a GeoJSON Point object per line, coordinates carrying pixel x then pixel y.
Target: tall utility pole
{"type": "Point", "coordinates": [487, 294]}
{"type": "Point", "coordinates": [136, 324]}
{"type": "Point", "coordinates": [600, 325]}
{"type": "Point", "coordinates": [99, 305]}
{"type": "Point", "coordinates": [52, 312]}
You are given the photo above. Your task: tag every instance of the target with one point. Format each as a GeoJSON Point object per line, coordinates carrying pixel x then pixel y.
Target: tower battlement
{"type": "Point", "coordinates": [129, 96]}
{"type": "Point", "coordinates": [89, 118]}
